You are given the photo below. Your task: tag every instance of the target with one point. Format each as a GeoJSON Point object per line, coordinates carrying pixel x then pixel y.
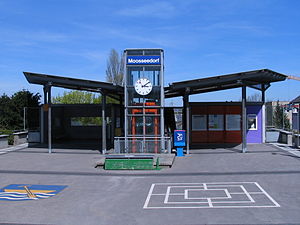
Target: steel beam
{"type": "Point", "coordinates": [263, 108]}
{"type": "Point", "coordinates": [244, 120]}
{"type": "Point", "coordinates": [103, 124]}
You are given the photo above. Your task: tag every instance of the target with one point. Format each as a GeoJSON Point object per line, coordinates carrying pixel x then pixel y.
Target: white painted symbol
{"type": "Point", "coordinates": [208, 195]}
{"type": "Point", "coordinates": [179, 136]}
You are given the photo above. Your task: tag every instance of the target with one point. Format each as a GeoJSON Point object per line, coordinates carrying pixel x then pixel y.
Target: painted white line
{"type": "Point", "coordinates": [202, 184]}
{"type": "Point", "coordinates": [247, 194]}
{"type": "Point", "coordinates": [209, 202]}
{"type": "Point", "coordinates": [167, 195]}
{"type": "Point", "coordinates": [225, 191]}
{"type": "Point", "coordinates": [149, 196]}
{"type": "Point", "coordinates": [206, 207]}
{"type": "Point", "coordinates": [272, 200]}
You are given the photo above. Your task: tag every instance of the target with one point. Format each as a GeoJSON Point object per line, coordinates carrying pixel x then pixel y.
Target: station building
{"type": "Point", "coordinates": [140, 122]}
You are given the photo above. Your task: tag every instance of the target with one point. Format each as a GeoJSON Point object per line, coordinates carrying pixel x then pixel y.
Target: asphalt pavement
{"type": "Point", "coordinates": [209, 186]}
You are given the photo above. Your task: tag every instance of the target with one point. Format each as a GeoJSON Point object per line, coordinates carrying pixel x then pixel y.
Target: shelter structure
{"type": "Point", "coordinates": [144, 95]}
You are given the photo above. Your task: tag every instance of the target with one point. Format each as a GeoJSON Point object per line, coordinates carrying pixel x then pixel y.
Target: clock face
{"type": "Point", "coordinates": [143, 86]}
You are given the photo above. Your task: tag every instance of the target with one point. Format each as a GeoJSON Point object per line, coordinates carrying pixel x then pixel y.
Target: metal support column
{"type": "Point", "coordinates": [244, 120]}
{"type": "Point", "coordinates": [49, 120]}
{"type": "Point", "coordinates": [187, 120]}
{"type": "Point", "coordinates": [103, 124]}
{"type": "Point", "coordinates": [263, 108]}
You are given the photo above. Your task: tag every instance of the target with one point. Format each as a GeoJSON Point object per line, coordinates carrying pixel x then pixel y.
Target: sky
{"type": "Point", "coordinates": [200, 38]}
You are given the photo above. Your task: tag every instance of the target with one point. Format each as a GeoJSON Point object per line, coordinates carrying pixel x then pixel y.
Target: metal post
{"type": "Point", "coordinates": [43, 116]}
{"type": "Point", "coordinates": [298, 125]}
{"type": "Point", "coordinates": [244, 120]}
{"type": "Point", "coordinates": [187, 121]}
{"type": "Point", "coordinates": [282, 117]}
{"type": "Point", "coordinates": [42, 124]}
{"type": "Point", "coordinates": [162, 104]}
{"type": "Point", "coordinates": [49, 121]}
{"type": "Point", "coordinates": [24, 118]}
{"type": "Point", "coordinates": [103, 124]}
{"type": "Point", "coordinates": [263, 99]}
{"type": "Point", "coordinates": [125, 104]}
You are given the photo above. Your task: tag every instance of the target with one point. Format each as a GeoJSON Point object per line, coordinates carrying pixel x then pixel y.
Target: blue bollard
{"type": "Point", "coordinates": [179, 152]}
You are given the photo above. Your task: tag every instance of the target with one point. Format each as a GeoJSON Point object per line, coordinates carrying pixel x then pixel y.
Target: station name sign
{"type": "Point", "coordinates": [143, 60]}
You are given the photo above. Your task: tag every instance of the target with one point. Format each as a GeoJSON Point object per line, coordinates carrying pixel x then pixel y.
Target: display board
{"type": "Point", "coordinates": [233, 122]}
{"type": "Point", "coordinates": [215, 122]}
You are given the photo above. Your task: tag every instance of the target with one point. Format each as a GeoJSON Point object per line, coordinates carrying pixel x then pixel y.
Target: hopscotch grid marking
{"type": "Point", "coordinates": [207, 186]}
{"type": "Point", "coordinates": [225, 190]}
{"type": "Point", "coordinates": [272, 200]}
{"type": "Point", "coordinates": [247, 194]}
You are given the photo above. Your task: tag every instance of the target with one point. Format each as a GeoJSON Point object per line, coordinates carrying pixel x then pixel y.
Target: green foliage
{"type": "Point", "coordinates": [80, 97]}
{"type": "Point", "coordinates": [11, 108]}
{"type": "Point", "coordinates": [280, 118]}
{"type": "Point", "coordinates": [76, 97]}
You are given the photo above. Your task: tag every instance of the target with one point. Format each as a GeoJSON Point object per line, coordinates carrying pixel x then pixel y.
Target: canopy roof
{"type": "Point", "coordinates": [258, 79]}
{"type": "Point", "coordinates": [73, 83]}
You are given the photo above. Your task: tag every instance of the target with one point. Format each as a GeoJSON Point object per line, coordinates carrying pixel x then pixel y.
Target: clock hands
{"type": "Point", "coordinates": [145, 85]}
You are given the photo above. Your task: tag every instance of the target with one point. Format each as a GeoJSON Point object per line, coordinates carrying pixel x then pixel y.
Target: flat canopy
{"type": "Point", "coordinates": [258, 79]}
{"type": "Point", "coordinates": [73, 83]}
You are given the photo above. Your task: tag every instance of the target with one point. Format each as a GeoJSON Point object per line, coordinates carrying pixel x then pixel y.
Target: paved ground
{"type": "Point", "coordinates": [260, 187]}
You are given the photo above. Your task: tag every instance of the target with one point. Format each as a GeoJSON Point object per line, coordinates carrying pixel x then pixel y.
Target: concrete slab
{"type": "Point", "coordinates": [164, 159]}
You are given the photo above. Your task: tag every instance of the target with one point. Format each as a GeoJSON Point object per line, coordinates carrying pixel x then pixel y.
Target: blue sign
{"type": "Point", "coordinates": [179, 138]}
{"type": "Point", "coordinates": [143, 60]}
{"type": "Point", "coordinates": [22, 192]}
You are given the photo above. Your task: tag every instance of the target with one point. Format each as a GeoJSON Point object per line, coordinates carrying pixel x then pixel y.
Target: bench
{"type": "Point", "coordinates": [20, 137]}
{"type": "Point", "coordinates": [286, 137]}
{"type": "Point", "coordinates": [3, 141]}
{"type": "Point", "coordinates": [296, 140]}
{"type": "Point", "coordinates": [130, 162]}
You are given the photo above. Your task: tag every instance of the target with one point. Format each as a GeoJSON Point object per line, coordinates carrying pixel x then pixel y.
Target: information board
{"type": "Point", "coordinates": [179, 138]}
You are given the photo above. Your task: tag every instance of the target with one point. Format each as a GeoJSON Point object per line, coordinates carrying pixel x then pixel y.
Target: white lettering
{"type": "Point", "coordinates": [143, 61]}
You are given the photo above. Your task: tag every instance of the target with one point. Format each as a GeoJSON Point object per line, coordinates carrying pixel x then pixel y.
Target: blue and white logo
{"type": "Point", "coordinates": [143, 59]}
{"type": "Point", "coordinates": [22, 192]}
{"type": "Point", "coordinates": [179, 137]}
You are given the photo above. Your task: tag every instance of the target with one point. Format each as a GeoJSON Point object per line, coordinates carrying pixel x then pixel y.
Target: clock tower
{"type": "Point", "coordinates": [144, 101]}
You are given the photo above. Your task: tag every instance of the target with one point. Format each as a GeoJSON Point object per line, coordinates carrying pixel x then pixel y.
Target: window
{"type": "Point", "coordinates": [252, 121]}
{"type": "Point", "coordinates": [216, 122]}
{"type": "Point", "coordinates": [233, 122]}
{"type": "Point", "coordinates": [199, 122]}
{"type": "Point", "coordinates": [86, 121]}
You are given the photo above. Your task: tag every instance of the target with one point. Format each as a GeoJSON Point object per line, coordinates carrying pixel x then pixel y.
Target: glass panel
{"type": "Point", "coordinates": [152, 52]}
{"type": "Point", "coordinates": [134, 52]}
{"type": "Point", "coordinates": [154, 97]}
{"type": "Point", "coordinates": [233, 122]}
{"type": "Point", "coordinates": [199, 122]}
{"type": "Point", "coordinates": [134, 98]}
{"type": "Point", "coordinates": [152, 125]}
{"type": "Point", "coordinates": [153, 74]}
{"type": "Point", "coordinates": [86, 121]}
{"type": "Point", "coordinates": [215, 122]}
{"type": "Point", "coordinates": [135, 125]}
{"type": "Point", "coordinates": [133, 74]}
{"type": "Point", "coordinates": [252, 122]}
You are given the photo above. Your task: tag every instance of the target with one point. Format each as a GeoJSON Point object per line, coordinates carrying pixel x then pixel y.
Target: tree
{"type": "Point", "coordinates": [76, 97]}
{"type": "Point", "coordinates": [115, 68]}
{"type": "Point", "coordinates": [80, 97]}
{"type": "Point", "coordinates": [280, 118]}
{"type": "Point", "coordinates": [11, 108]}
{"type": "Point", "coordinates": [254, 98]}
